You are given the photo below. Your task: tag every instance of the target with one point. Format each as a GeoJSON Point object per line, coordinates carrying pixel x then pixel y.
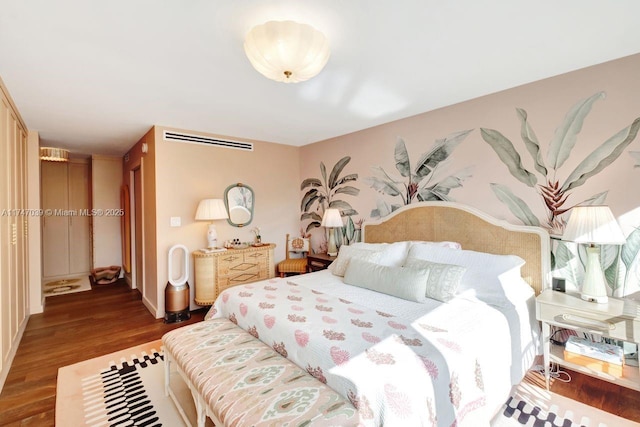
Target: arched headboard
{"type": "Point", "coordinates": [473, 229]}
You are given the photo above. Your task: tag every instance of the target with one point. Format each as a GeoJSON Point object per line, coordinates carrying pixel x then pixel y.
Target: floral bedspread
{"type": "Point", "coordinates": [396, 373]}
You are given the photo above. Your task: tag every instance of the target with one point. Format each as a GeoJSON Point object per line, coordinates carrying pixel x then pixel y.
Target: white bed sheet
{"type": "Point", "coordinates": [503, 336]}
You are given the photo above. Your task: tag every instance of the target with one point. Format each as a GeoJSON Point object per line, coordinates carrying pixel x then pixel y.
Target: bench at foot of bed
{"type": "Point", "coordinates": [237, 380]}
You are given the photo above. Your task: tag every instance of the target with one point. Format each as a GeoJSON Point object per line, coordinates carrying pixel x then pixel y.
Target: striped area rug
{"type": "Point", "coordinates": [126, 388]}
{"type": "Point", "coordinates": [120, 389]}
{"type": "Point", "coordinates": [532, 406]}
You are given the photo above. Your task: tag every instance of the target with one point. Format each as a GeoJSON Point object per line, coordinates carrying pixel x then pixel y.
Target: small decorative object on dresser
{"type": "Point", "coordinates": [217, 271]}
{"type": "Point", "coordinates": [316, 262]}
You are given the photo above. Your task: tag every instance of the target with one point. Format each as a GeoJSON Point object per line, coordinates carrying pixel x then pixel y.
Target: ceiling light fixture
{"type": "Point", "coordinates": [287, 51]}
{"type": "Point", "coordinates": [51, 154]}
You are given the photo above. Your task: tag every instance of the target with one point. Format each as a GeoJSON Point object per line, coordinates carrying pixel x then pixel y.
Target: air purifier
{"type": "Point", "coordinates": [176, 293]}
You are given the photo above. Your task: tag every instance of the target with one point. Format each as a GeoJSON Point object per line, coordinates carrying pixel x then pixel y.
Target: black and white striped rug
{"type": "Point", "coordinates": [531, 406]}
{"type": "Point", "coordinates": [121, 389]}
{"type": "Point", "coordinates": [121, 395]}
{"type": "Point", "coordinates": [127, 389]}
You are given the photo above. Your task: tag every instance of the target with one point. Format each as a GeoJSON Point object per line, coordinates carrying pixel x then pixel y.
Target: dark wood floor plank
{"type": "Point", "coordinates": [80, 326]}
{"type": "Point", "coordinates": [73, 328]}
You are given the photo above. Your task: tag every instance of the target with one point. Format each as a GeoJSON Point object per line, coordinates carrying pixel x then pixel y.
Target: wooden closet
{"type": "Point", "coordinates": [66, 223]}
{"type": "Point", "coordinates": [14, 250]}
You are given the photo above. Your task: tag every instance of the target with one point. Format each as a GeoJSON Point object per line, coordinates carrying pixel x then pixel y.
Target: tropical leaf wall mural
{"type": "Point", "coordinates": [427, 181]}
{"type": "Point", "coordinates": [620, 264]}
{"type": "Point", "coordinates": [325, 193]}
{"type": "Point", "coordinates": [553, 192]}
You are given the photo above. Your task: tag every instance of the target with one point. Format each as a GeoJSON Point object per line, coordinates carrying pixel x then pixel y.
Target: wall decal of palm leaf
{"type": "Point", "coordinates": [321, 194]}
{"type": "Point", "coordinates": [428, 180]}
{"type": "Point", "coordinates": [636, 157]}
{"type": "Point", "coordinates": [554, 193]}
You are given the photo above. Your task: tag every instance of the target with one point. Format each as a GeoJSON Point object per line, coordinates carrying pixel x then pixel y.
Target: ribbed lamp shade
{"type": "Point", "coordinates": [593, 225]}
{"type": "Point", "coordinates": [286, 51]}
{"type": "Point", "coordinates": [210, 209]}
{"type": "Point", "coordinates": [331, 218]}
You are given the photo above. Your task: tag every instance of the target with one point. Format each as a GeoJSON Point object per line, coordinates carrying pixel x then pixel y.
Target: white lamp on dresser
{"type": "Point", "coordinates": [211, 210]}
{"type": "Point", "coordinates": [593, 225]}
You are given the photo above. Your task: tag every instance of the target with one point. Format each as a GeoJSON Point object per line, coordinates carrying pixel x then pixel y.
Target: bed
{"type": "Point", "coordinates": [405, 353]}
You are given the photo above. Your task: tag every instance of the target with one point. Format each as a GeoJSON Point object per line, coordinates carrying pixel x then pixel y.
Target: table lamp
{"type": "Point", "coordinates": [211, 210]}
{"type": "Point", "coordinates": [332, 219]}
{"type": "Point", "coordinates": [593, 225]}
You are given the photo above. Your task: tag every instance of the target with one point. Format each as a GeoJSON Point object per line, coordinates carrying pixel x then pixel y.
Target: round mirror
{"type": "Point", "coordinates": [238, 199]}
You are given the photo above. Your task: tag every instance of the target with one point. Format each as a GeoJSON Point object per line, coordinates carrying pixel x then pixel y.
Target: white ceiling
{"type": "Point", "coordinates": [93, 75]}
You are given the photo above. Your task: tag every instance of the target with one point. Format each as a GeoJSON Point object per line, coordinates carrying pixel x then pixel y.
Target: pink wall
{"type": "Point", "coordinates": [546, 103]}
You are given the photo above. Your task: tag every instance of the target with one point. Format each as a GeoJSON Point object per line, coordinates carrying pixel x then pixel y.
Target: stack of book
{"type": "Point", "coordinates": [598, 356]}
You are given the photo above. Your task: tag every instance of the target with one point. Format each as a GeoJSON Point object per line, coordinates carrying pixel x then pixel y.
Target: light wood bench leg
{"type": "Point", "coordinates": [167, 374]}
{"type": "Point", "coordinates": [201, 414]}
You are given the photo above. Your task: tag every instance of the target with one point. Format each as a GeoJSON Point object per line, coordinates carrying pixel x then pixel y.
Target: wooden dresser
{"type": "Point", "coordinates": [217, 271]}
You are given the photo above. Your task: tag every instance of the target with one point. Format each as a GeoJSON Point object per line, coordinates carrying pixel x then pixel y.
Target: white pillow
{"type": "Point", "coordinates": [391, 254]}
{"type": "Point", "coordinates": [487, 275]}
{"type": "Point", "coordinates": [443, 281]}
{"type": "Point", "coordinates": [346, 253]}
{"type": "Point", "coordinates": [421, 250]}
{"type": "Point", "coordinates": [403, 282]}
{"type": "Point", "coordinates": [442, 244]}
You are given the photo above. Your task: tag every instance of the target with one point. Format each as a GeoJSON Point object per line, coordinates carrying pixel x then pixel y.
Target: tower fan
{"type": "Point", "coordinates": [176, 293]}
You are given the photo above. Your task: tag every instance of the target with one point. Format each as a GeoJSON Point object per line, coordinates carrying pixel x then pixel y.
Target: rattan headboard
{"type": "Point", "coordinates": [475, 230]}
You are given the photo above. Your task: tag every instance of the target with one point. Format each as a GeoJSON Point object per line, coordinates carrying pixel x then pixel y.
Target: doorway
{"type": "Point", "coordinates": [137, 250]}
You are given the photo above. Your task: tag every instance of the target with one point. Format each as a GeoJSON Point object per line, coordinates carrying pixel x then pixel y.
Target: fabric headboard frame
{"type": "Point", "coordinates": [473, 229]}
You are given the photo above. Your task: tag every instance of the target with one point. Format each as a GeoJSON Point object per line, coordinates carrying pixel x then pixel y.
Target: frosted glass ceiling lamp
{"type": "Point", "coordinates": [593, 225]}
{"type": "Point", "coordinates": [331, 219]}
{"type": "Point", "coordinates": [286, 51]}
{"type": "Point", "coordinates": [51, 154]}
{"type": "Point", "coordinates": [211, 210]}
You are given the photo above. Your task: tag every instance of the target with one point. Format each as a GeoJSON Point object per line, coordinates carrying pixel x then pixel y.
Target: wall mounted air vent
{"type": "Point", "coordinates": [205, 140]}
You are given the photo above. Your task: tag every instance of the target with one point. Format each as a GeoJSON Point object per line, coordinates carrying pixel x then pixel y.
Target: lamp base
{"type": "Point", "coordinates": [332, 249]}
{"type": "Point", "coordinates": [594, 287]}
{"type": "Point", "coordinates": [212, 237]}
{"type": "Point", "coordinates": [597, 299]}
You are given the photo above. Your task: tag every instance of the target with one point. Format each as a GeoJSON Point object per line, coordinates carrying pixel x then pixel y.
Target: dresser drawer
{"type": "Point", "coordinates": [217, 271]}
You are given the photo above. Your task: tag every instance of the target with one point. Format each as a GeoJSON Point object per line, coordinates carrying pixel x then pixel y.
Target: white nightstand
{"type": "Point", "coordinates": [619, 319]}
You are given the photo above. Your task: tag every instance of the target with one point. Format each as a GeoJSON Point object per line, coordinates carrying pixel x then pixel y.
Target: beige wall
{"type": "Point", "coordinates": [177, 176]}
{"type": "Point", "coordinates": [106, 173]}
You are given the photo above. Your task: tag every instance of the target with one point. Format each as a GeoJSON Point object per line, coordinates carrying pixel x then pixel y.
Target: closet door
{"type": "Point", "coordinates": [66, 245]}
{"type": "Point", "coordinates": [55, 227]}
{"type": "Point", "coordinates": [79, 226]}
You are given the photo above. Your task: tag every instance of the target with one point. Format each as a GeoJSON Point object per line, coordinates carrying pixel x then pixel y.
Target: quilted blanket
{"type": "Point", "coordinates": [397, 372]}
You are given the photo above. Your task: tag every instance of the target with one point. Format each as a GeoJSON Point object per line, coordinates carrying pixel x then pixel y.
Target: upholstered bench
{"type": "Point", "coordinates": [237, 380]}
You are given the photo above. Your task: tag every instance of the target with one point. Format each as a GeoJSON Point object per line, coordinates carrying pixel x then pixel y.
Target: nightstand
{"type": "Point", "coordinates": [618, 319]}
{"type": "Point", "coordinates": [316, 262]}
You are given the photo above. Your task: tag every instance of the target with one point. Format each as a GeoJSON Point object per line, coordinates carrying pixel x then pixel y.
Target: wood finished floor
{"type": "Point", "coordinates": [109, 318]}
{"type": "Point", "coordinates": [73, 328]}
